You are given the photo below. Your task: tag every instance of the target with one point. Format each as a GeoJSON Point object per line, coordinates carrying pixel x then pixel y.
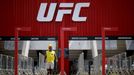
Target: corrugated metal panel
{"type": "Point", "coordinates": [111, 13]}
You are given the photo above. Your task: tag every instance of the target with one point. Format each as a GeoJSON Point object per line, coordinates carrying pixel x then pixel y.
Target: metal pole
{"type": "Point", "coordinates": [16, 46]}
{"type": "Point", "coordinates": [103, 46]}
{"type": "Point", "coordinates": [62, 50]}
{"type": "Point", "coordinates": [103, 52]}
{"type": "Point", "coordinates": [16, 52]}
{"type": "Point", "coordinates": [62, 40]}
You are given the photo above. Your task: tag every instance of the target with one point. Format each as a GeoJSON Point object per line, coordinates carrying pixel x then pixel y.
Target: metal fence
{"type": "Point", "coordinates": [25, 65]}
{"type": "Point", "coordinates": [131, 64]}
{"type": "Point", "coordinates": [116, 65]}
{"type": "Point", "coordinates": [120, 65]}
{"type": "Point", "coordinates": [41, 69]}
{"type": "Point", "coordinates": [97, 65]}
{"type": "Point", "coordinates": [81, 67]}
{"type": "Point", "coordinates": [6, 65]}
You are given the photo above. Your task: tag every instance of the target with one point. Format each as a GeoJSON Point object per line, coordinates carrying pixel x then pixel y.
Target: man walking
{"type": "Point", "coordinates": [50, 57]}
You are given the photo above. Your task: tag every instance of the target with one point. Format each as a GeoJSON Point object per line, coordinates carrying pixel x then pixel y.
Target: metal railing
{"type": "Point", "coordinates": [25, 65]}
{"type": "Point", "coordinates": [41, 69]}
{"type": "Point", "coordinates": [116, 65]}
{"type": "Point", "coordinates": [97, 65]}
{"type": "Point", "coordinates": [6, 65]}
{"type": "Point", "coordinates": [81, 67]}
{"type": "Point", "coordinates": [120, 65]}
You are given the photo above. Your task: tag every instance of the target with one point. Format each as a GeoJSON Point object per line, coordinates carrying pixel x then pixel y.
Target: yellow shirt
{"type": "Point", "coordinates": [50, 56]}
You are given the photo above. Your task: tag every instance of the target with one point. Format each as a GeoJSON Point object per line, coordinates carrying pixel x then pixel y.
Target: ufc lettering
{"type": "Point", "coordinates": [61, 12]}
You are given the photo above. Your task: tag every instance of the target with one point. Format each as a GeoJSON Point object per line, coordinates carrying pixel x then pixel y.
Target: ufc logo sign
{"type": "Point", "coordinates": [61, 12]}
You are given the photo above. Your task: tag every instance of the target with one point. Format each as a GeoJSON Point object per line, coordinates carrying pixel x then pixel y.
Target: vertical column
{"type": "Point", "coordinates": [103, 52]}
{"type": "Point", "coordinates": [94, 55]}
{"type": "Point", "coordinates": [16, 52]}
{"type": "Point", "coordinates": [25, 48]}
{"type": "Point", "coordinates": [62, 50]}
{"type": "Point", "coordinates": [94, 48]}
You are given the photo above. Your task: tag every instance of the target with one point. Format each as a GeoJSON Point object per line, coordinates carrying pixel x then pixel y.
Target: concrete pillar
{"type": "Point", "coordinates": [94, 48]}
{"type": "Point", "coordinates": [25, 48]}
{"type": "Point", "coordinates": [95, 54]}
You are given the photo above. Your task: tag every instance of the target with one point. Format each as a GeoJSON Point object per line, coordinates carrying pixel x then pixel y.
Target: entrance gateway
{"type": "Point", "coordinates": [47, 19]}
